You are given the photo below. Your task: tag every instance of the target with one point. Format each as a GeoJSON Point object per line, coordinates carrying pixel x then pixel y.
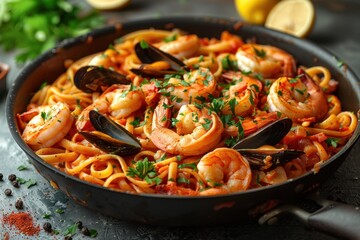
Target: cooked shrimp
{"type": "Point", "coordinates": [48, 125]}
{"type": "Point", "coordinates": [245, 91]}
{"type": "Point", "coordinates": [183, 47]}
{"type": "Point", "coordinates": [224, 170]}
{"type": "Point", "coordinates": [197, 136]}
{"type": "Point", "coordinates": [162, 114]}
{"type": "Point", "coordinates": [197, 83]}
{"type": "Point", "coordinates": [270, 62]}
{"type": "Point", "coordinates": [298, 98]}
{"type": "Point", "coordinates": [118, 101]}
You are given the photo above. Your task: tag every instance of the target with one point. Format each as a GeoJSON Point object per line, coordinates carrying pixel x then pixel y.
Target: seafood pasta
{"type": "Point", "coordinates": [164, 112]}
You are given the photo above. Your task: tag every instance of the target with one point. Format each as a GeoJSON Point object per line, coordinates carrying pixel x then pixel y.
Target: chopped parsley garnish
{"type": "Point", "coordinates": [229, 64]}
{"type": "Point", "coordinates": [183, 180]}
{"type": "Point", "coordinates": [260, 53]}
{"type": "Point", "coordinates": [332, 142]}
{"type": "Point", "coordinates": [44, 84]}
{"type": "Point", "coordinates": [302, 92]}
{"type": "Point", "coordinates": [170, 38]}
{"type": "Point", "coordinates": [137, 122]}
{"type": "Point", "coordinates": [45, 115]}
{"type": "Point", "coordinates": [188, 165]}
{"type": "Point", "coordinates": [232, 103]}
{"type": "Point", "coordinates": [145, 170]}
{"type": "Point", "coordinates": [217, 105]}
{"type": "Point", "coordinates": [144, 44]}
{"type": "Point", "coordinates": [207, 124]}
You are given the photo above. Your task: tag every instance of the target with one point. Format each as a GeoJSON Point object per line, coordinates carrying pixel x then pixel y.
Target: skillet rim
{"type": "Point", "coordinates": [227, 24]}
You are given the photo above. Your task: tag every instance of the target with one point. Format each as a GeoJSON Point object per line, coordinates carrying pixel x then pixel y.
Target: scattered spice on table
{"type": "Point", "coordinates": [1, 175]}
{"type": "Point", "coordinates": [85, 231]}
{"type": "Point", "coordinates": [19, 204]}
{"type": "Point", "coordinates": [15, 184]}
{"type": "Point", "coordinates": [23, 222]}
{"type": "Point", "coordinates": [12, 177]}
{"type": "Point", "coordinates": [47, 227]}
{"type": "Point", "coordinates": [8, 192]}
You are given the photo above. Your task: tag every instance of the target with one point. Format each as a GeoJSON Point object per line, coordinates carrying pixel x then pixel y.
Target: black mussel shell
{"type": "Point", "coordinates": [91, 79]}
{"type": "Point", "coordinates": [109, 144]}
{"type": "Point", "coordinates": [279, 157]}
{"type": "Point", "coordinates": [150, 54]}
{"type": "Point", "coordinates": [110, 136]}
{"type": "Point", "coordinates": [268, 135]}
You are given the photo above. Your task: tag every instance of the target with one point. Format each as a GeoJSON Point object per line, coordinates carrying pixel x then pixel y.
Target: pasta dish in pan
{"type": "Point", "coordinates": [166, 112]}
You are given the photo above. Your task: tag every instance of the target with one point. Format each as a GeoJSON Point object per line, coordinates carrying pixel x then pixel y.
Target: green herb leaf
{"type": "Point", "coordinates": [93, 233]}
{"type": "Point", "coordinates": [188, 165]}
{"type": "Point", "coordinates": [170, 38]}
{"type": "Point", "coordinates": [71, 230]}
{"type": "Point", "coordinates": [33, 27]}
{"type": "Point", "coordinates": [332, 142]}
{"type": "Point", "coordinates": [207, 124]}
{"type": "Point", "coordinates": [144, 44]}
{"type": "Point", "coordinates": [144, 170]}
{"type": "Point", "coordinates": [22, 168]}
{"type": "Point", "coordinates": [30, 183]}
{"type": "Point", "coordinates": [60, 211]}
{"type": "Point", "coordinates": [46, 216]}
{"type": "Point", "coordinates": [260, 53]}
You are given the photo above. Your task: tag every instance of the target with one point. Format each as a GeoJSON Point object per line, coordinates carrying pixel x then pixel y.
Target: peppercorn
{"type": "Point", "coordinates": [85, 231]}
{"type": "Point", "coordinates": [12, 177]}
{"type": "Point", "coordinates": [1, 176]}
{"type": "Point", "coordinates": [19, 204]}
{"type": "Point", "coordinates": [68, 238]}
{"type": "Point", "coordinates": [79, 224]}
{"type": "Point", "coordinates": [47, 227]}
{"type": "Point", "coordinates": [8, 192]}
{"type": "Point", "coordinates": [15, 184]}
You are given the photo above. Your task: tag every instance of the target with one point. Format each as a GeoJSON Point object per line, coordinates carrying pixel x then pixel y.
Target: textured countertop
{"type": "Point", "coordinates": [336, 29]}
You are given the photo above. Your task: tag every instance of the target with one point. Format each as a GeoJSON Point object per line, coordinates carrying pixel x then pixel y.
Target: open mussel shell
{"type": "Point", "coordinates": [257, 157]}
{"type": "Point", "coordinates": [109, 144]}
{"type": "Point", "coordinates": [91, 79]}
{"type": "Point", "coordinates": [110, 136]}
{"type": "Point", "coordinates": [271, 134]}
{"type": "Point", "coordinates": [150, 54]}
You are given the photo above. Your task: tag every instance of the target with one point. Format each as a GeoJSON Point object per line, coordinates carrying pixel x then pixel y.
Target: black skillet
{"type": "Point", "coordinates": [186, 211]}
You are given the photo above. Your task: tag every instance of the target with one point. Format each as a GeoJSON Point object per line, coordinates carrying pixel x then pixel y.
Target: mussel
{"type": "Point", "coordinates": [110, 136]}
{"type": "Point", "coordinates": [91, 79]}
{"type": "Point", "coordinates": [268, 135]}
{"type": "Point", "coordinates": [149, 54]}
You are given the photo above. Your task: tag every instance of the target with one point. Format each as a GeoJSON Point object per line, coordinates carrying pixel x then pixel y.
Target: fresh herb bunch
{"type": "Point", "coordinates": [34, 26]}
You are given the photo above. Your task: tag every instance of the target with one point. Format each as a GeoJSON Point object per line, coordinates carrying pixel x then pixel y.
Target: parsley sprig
{"type": "Point", "coordinates": [34, 26]}
{"type": "Point", "coordinates": [145, 170]}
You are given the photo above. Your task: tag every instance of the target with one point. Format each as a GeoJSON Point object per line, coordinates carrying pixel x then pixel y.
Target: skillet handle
{"type": "Point", "coordinates": [337, 219]}
{"type": "Point", "coordinates": [334, 218]}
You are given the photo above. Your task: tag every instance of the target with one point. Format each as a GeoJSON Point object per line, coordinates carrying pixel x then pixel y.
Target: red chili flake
{"type": "Point", "coordinates": [23, 222]}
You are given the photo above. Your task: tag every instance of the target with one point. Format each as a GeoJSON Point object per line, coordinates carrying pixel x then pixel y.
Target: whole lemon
{"type": "Point", "coordinates": [254, 11]}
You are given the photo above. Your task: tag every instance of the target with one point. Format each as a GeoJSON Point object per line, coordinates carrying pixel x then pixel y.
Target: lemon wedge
{"type": "Point", "coordinates": [295, 17]}
{"type": "Point", "coordinates": [108, 4]}
{"type": "Point", "coordinates": [254, 11]}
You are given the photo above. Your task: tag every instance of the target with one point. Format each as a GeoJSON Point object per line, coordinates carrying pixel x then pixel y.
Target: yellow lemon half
{"type": "Point", "coordinates": [254, 11]}
{"type": "Point", "coordinates": [296, 17]}
{"type": "Point", "coordinates": [108, 4]}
